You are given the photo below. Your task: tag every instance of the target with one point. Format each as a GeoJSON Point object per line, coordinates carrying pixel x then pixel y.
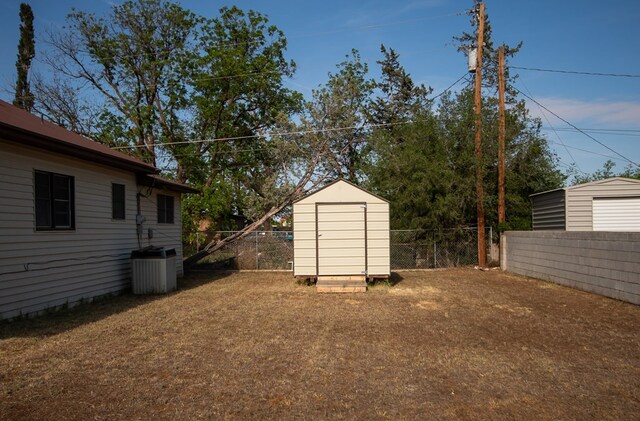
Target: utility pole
{"type": "Point", "coordinates": [482, 249]}
{"type": "Point", "coordinates": [501, 136]}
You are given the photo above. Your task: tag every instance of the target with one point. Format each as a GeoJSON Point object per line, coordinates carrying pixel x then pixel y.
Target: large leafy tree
{"type": "Point", "coordinates": [134, 63]}
{"type": "Point", "coordinates": [301, 155]}
{"type": "Point", "coordinates": [238, 96]}
{"type": "Point", "coordinates": [26, 52]}
{"type": "Point", "coordinates": [336, 113]}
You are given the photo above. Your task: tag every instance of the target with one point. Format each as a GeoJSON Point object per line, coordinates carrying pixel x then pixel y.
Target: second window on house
{"type": "Point", "coordinates": [117, 201]}
{"type": "Point", "coordinates": [165, 209]}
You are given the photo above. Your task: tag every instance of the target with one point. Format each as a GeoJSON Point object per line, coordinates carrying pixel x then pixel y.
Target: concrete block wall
{"type": "Point", "coordinates": [605, 263]}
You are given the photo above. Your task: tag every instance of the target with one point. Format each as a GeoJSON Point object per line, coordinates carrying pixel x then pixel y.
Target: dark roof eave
{"type": "Point", "coordinates": [159, 182]}
{"type": "Point", "coordinates": [31, 139]}
{"type": "Point", "coordinates": [548, 191]}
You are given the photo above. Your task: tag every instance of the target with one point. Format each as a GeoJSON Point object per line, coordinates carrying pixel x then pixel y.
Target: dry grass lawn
{"type": "Point", "coordinates": [439, 344]}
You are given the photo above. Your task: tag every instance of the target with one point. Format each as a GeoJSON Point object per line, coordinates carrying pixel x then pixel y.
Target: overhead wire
{"type": "Point", "coordinates": [291, 133]}
{"type": "Point", "coordinates": [588, 151]}
{"type": "Point", "coordinates": [609, 132]}
{"type": "Point", "coordinates": [574, 72]}
{"type": "Point", "coordinates": [464, 76]}
{"type": "Point", "coordinates": [554, 130]}
{"type": "Point", "coordinates": [576, 128]}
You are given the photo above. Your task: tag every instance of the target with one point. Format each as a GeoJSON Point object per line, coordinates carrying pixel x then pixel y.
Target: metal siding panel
{"type": "Point", "coordinates": [378, 240]}
{"type": "Point", "coordinates": [304, 239]}
{"type": "Point", "coordinates": [549, 211]}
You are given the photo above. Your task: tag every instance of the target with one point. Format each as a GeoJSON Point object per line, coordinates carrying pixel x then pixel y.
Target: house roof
{"type": "Point", "coordinates": [340, 180]}
{"type": "Point", "coordinates": [592, 183]}
{"type": "Point", "coordinates": [22, 127]}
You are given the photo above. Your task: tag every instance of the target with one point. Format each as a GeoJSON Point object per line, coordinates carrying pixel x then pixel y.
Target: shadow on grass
{"type": "Point", "coordinates": [56, 321]}
{"type": "Point", "coordinates": [393, 280]}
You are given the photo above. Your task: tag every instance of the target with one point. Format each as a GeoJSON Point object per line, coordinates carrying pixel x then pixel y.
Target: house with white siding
{"type": "Point", "coordinates": [71, 212]}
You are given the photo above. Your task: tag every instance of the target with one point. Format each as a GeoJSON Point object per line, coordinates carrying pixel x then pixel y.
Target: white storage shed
{"type": "Point", "coordinates": [341, 237]}
{"type": "Point", "coordinates": [612, 204]}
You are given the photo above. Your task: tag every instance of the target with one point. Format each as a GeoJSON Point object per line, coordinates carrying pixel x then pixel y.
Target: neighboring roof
{"type": "Point", "coordinates": [22, 127]}
{"type": "Point", "coordinates": [605, 181]}
{"type": "Point", "coordinates": [153, 180]}
{"type": "Point", "coordinates": [340, 180]}
{"type": "Point", "coordinates": [592, 183]}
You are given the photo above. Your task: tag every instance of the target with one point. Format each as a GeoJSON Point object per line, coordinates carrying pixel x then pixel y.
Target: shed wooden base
{"type": "Point", "coordinates": [355, 283]}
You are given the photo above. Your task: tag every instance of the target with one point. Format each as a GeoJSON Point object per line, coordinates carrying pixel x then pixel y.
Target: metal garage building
{"type": "Point", "coordinates": [341, 237]}
{"type": "Point", "coordinates": [606, 205]}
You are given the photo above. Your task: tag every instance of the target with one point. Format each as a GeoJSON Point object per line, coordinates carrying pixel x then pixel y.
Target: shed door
{"type": "Point", "coordinates": [341, 239]}
{"type": "Point", "coordinates": [616, 214]}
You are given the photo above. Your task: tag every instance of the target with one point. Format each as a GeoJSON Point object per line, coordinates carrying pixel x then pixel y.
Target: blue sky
{"type": "Point", "coordinates": [568, 35]}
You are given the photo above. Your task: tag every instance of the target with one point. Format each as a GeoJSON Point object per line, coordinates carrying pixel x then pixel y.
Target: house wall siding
{"type": "Point", "coordinates": [580, 198]}
{"type": "Point", "coordinates": [605, 263]}
{"type": "Point", "coordinates": [44, 269]}
{"type": "Point", "coordinates": [164, 235]}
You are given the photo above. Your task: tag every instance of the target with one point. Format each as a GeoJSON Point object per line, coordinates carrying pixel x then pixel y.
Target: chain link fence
{"type": "Point", "coordinates": [410, 249]}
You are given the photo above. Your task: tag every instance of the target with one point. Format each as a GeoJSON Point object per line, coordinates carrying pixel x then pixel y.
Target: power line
{"type": "Point", "coordinates": [612, 132]}
{"type": "Point", "coordinates": [587, 151]}
{"type": "Point", "coordinates": [575, 127]}
{"type": "Point", "coordinates": [299, 132]}
{"type": "Point", "coordinates": [291, 133]}
{"type": "Point", "coordinates": [557, 135]}
{"type": "Point", "coordinates": [464, 76]}
{"type": "Point", "coordinates": [573, 72]}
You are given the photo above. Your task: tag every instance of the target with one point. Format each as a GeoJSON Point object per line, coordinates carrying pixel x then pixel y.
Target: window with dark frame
{"type": "Point", "coordinates": [117, 201]}
{"type": "Point", "coordinates": [165, 209]}
{"type": "Point", "coordinates": [54, 201]}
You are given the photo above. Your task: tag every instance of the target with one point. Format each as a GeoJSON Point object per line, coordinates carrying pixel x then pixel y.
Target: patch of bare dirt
{"type": "Point", "coordinates": [440, 344]}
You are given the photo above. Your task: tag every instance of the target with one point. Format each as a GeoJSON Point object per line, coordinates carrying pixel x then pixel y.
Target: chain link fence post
{"type": "Point", "coordinates": [435, 251]}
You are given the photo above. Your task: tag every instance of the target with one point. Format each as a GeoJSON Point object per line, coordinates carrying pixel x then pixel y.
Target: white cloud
{"type": "Point", "coordinates": [589, 113]}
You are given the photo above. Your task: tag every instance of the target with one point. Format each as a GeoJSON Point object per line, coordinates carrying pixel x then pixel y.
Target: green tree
{"type": "Point", "coordinates": [238, 97]}
{"type": "Point", "coordinates": [607, 171]}
{"type": "Point", "coordinates": [26, 52]}
{"type": "Point", "coordinates": [196, 97]}
{"type": "Point", "coordinates": [337, 111]}
{"type": "Point", "coordinates": [301, 155]}
{"type": "Point", "coordinates": [134, 63]}
{"type": "Point", "coordinates": [399, 98]}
